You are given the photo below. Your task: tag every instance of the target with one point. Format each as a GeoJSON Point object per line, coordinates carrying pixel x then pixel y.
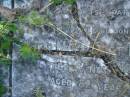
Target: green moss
{"type": "Point", "coordinates": [28, 53]}
{"type": "Point", "coordinates": [59, 2]}
{"type": "Point", "coordinates": [2, 90]}
{"type": "Point", "coordinates": [34, 18]}
{"type": "Point", "coordinates": [70, 1]}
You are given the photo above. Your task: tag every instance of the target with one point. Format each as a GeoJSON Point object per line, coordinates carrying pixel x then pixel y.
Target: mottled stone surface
{"type": "Point", "coordinates": [76, 76]}
{"type": "Point", "coordinates": [65, 76]}
{"type": "Point", "coordinates": [4, 78]}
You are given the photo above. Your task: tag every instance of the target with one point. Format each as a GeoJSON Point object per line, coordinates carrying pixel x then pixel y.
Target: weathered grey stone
{"type": "Point", "coordinates": [76, 76]}
{"type": "Point", "coordinates": [64, 76]}
{"type": "Point", "coordinates": [4, 78]}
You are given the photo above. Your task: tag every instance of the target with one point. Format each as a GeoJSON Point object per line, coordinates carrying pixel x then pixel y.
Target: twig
{"type": "Point", "coordinates": [96, 40]}
{"type": "Point", "coordinates": [110, 62]}
{"type": "Point", "coordinates": [52, 25]}
{"type": "Point", "coordinates": [44, 8]}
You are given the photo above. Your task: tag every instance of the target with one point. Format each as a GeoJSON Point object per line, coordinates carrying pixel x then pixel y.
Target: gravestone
{"type": "Point", "coordinates": [75, 75]}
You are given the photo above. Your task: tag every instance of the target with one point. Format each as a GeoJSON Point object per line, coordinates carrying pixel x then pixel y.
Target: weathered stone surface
{"type": "Point", "coordinates": [76, 76]}
{"type": "Point", "coordinates": [4, 77]}
{"type": "Point", "coordinates": [65, 76]}
{"type": "Point", "coordinates": [49, 38]}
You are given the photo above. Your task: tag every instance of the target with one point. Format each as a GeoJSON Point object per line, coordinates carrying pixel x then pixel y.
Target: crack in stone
{"type": "Point", "coordinates": [75, 14]}
{"type": "Point", "coordinates": [113, 67]}
{"type": "Point", "coordinates": [10, 67]}
{"type": "Point", "coordinates": [53, 52]}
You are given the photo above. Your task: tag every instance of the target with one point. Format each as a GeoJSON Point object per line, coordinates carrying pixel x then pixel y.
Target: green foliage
{"type": "Point", "coordinates": [6, 27]}
{"type": "Point", "coordinates": [27, 53]}
{"type": "Point", "coordinates": [1, 26]}
{"type": "Point", "coordinates": [5, 43]}
{"type": "Point", "coordinates": [2, 89]}
{"type": "Point", "coordinates": [59, 2]}
{"type": "Point", "coordinates": [5, 60]}
{"type": "Point", "coordinates": [38, 92]}
{"type": "Point", "coordinates": [69, 1]}
{"type": "Point", "coordinates": [11, 27]}
{"type": "Point", "coordinates": [34, 18]}
{"type": "Point", "coordinates": [22, 19]}
{"type": "Point", "coordinates": [6, 39]}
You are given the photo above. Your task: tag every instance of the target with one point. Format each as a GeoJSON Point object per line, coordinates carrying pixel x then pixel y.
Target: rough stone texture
{"type": "Point", "coordinates": [4, 77]}
{"type": "Point", "coordinates": [65, 76]}
{"type": "Point", "coordinates": [76, 76]}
